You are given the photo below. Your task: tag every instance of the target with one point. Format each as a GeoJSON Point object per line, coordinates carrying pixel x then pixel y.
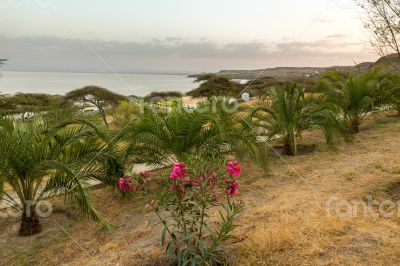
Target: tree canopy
{"type": "Point", "coordinates": [98, 96]}
{"type": "Point", "coordinates": [215, 85]}
{"type": "Point", "coordinates": [30, 102]}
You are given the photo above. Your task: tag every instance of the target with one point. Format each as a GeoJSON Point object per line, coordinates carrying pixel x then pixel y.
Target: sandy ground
{"type": "Point", "coordinates": [286, 221]}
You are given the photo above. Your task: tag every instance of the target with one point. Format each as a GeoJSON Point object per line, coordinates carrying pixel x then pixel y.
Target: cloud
{"type": "Point", "coordinates": [175, 47]}
{"type": "Point", "coordinates": [51, 53]}
{"type": "Point", "coordinates": [336, 36]}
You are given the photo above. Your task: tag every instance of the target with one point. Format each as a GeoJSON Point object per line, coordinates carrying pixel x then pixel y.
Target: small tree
{"type": "Point", "coordinates": [286, 112]}
{"type": "Point", "coordinates": [52, 155]}
{"type": "Point", "coordinates": [126, 112]}
{"type": "Point", "coordinates": [215, 85]}
{"type": "Point", "coordinates": [99, 97]}
{"type": "Point", "coordinates": [356, 96]}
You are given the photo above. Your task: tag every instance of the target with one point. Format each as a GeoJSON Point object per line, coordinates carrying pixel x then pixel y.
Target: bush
{"type": "Point", "coordinates": [125, 113]}
{"type": "Point", "coordinates": [184, 209]}
{"type": "Point", "coordinates": [185, 206]}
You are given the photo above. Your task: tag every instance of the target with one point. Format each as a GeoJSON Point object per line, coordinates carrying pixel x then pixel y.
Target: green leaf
{"type": "Point", "coordinates": [163, 235]}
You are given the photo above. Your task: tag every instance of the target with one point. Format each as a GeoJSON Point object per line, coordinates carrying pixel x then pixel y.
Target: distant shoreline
{"type": "Point", "coordinates": [59, 83]}
{"type": "Point", "coordinates": [188, 74]}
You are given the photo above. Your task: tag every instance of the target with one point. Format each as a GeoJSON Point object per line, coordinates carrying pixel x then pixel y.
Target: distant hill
{"type": "Point", "coordinates": [294, 73]}
{"type": "Point", "coordinates": [392, 60]}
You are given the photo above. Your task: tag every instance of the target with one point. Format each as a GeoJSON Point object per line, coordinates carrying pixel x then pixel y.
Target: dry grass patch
{"type": "Point", "coordinates": [285, 220]}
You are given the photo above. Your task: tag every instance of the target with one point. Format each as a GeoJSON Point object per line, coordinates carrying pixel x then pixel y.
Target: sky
{"type": "Point", "coordinates": [187, 36]}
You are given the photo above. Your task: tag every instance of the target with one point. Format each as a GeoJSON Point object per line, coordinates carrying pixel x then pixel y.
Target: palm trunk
{"type": "Point", "coordinates": [288, 146]}
{"type": "Point", "coordinates": [294, 143]}
{"type": "Point", "coordinates": [355, 125]}
{"type": "Point", "coordinates": [30, 224]}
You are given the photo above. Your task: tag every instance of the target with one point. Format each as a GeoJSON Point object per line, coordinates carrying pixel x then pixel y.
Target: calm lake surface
{"type": "Point", "coordinates": [60, 83]}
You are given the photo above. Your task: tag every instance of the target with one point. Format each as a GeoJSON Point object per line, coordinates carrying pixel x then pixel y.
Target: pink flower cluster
{"type": "Point", "coordinates": [233, 168]}
{"type": "Point", "coordinates": [128, 184]}
{"type": "Point", "coordinates": [125, 183]}
{"type": "Point", "coordinates": [234, 171]}
{"type": "Point", "coordinates": [181, 182]}
{"type": "Point", "coordinates": [232, 189]}
{"type": "Point", "coordinates": [178, 171]}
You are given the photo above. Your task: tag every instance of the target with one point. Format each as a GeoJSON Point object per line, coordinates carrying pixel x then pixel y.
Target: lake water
{"type": "Point", "coordinates": [60, 83]}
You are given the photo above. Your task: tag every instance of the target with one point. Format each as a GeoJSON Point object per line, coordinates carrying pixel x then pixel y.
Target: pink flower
{"type": "Point", "coordinates": [178, 171]}
{"type": "Point", "coordinates": [125, 183]}
{"type": "Point", "coordinates": [233, 168]}
{"type": "Point", "coordinates": [232, 189]}
{"type": "Point", "coordinates": [121, 183]}
{"type": "Point", "coordinates": [215, 197]}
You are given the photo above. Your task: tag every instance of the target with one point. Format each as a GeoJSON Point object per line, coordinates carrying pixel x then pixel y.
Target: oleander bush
{"type": "Point", "coordinates": [196, 208]}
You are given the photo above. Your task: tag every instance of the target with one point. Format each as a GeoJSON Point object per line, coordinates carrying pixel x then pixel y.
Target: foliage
{"type": "Point", "coordinates": [285, 113]}
{"type": "Point", "coordinates": [163, 95]}
{"type": "Point", "coordinates": [99, 97]}
{"type": "Point", "coordinates": [355, 96]}
{"type": "Point", "coordinates": [137, 182]}
{"type": "Point", "coordinates": [215, 85]}
{"type": "Point", "coordinates": [261, 86]}
{"type": "Point", "coordinates": [185, 210]}
{"type": "Point", "coordinates": [389, 93]}
{"type": "Point", "coordinates": [208, 132]}
{"type": "Point", "coordinates": [52, 155]}
{"type": "Point", "coordinates": [30, 102]}
{"type": "Point", "coordinates": [126, 112]}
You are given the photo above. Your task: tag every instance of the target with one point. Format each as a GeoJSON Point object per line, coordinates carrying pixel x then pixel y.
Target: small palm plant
{"type": "Point", "coordinates": [355, 96]}
{"type": "Point", "coordinates": [285, 113]}
{"type": "Point", "coordinates": [54, 155]}
{"type": "Point", "coordinates": [209, 132]}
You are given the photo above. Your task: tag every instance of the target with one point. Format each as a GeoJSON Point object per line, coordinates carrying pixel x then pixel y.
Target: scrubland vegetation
{"type": "Point", "coordinates": [249, 182]}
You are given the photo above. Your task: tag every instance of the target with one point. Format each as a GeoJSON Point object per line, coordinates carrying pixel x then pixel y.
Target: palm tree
{"type": "Point", "coordinates": [356, 95]}
{"type": "Point", "coordinates": [52, 155]}
{"type": "Point", "coordinates": [285, 113]}
{"type": "Point", "coordinates": [390, 92]}
{"type": "Point", "coordinates": [164, 137]}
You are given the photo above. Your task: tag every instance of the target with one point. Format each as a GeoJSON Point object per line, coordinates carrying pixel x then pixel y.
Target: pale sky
{"type": "Point", "coordinates": [180, 35]}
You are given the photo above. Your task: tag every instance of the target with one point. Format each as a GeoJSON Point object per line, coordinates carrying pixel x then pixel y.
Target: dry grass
{"type": "Point", "coordinates": [285, 221]}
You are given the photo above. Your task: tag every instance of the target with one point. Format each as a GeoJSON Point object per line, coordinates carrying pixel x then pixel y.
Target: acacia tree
{"type": "Point", "coordinates": [215, 85]}
{"type": "Point", "coordinates": [383, 20]}
{"type": "Point", "coordinates": [99, 97]}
